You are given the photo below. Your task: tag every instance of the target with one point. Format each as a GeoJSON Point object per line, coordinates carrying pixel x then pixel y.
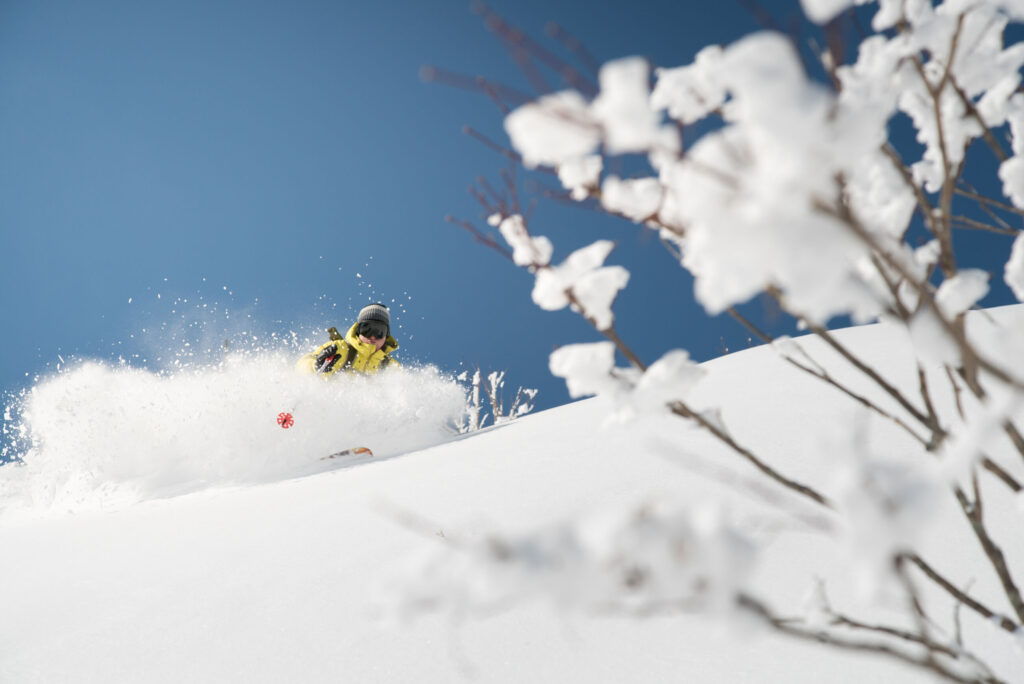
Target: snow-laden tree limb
{"type": "Point", "coordinates": [799, 191]}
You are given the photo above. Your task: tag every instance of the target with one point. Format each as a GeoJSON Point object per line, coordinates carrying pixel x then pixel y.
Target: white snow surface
{"type": "Point", "coordinates": [266, 571]}
{"type": "Point", "coordinates": [105, 436]}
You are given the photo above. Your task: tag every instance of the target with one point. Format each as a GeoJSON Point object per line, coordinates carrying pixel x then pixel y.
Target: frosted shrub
{"type": "Point", "coordinates": [799, 194]}
{"type": "Point", "coordinates": [492, 386]}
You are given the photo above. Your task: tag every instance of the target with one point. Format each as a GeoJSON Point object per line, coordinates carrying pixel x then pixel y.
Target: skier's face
{"type": "Point", "coordinates": [377, 342]}
{"type": "Point", "coordinates": [373, 332]}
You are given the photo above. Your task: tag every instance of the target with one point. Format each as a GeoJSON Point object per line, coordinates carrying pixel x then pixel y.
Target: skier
{"type": "Point", "coordinates": [365, 348]}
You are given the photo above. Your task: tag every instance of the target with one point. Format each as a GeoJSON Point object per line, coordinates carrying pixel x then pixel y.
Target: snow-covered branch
{"type": "Point", "coordinates": [801, 190]}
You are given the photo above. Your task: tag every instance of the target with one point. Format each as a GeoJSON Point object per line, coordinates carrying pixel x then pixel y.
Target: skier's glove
{"type": "Point", "coordinates": [326, 359]}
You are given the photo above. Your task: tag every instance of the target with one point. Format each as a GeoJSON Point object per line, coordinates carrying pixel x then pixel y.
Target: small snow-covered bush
{"type": "Point", "coordinates": [800, 191]}
{"type": "Point", "coordinates": [476, 417]}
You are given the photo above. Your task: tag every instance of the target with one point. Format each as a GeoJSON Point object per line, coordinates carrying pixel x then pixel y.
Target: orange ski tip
{"type": "Point", "coordinates": [354, 451]}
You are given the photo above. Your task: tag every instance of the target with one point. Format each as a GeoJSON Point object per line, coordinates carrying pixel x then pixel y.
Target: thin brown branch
{"type": "Point", "coordinates": [825, 377]}
{"type": "Point", "coordinates": [1014, 434]}
{"type": "Point", "coordinates": [562, 196]}
{"type": "Point", "coordinates": [483, 201]}
{"type": "Point", "coordinates": [495, 97]}
{"type": "Point", "coordinates": [922, 638]}
{"type": "Point", "coordinates": [1001, 620]}
{"type": "Point", "coordinates": [938, 433]}
{"type": "Point", "coordinates": [521, 56]}
{"type": "Point", "coordinates": [575, 47]}
{"type": "Point", "coordinates": [898, 308]}
{"type": "Point", "coordinates": [924, 205]}
{"type": "Point", "coordinates": [969, 356]}
{"type": "Point", "coordinates": [947, 73]}
{"type": "Point", "coordinates": [479, 236]}
{"type": "Point", "coordinates": [793, 629]}
{"type": "Point", "coordinates": [889, 389]}
{"type": "Point", "coordinates": [842, 621]}
{"type": "Point", "coordinates": [997, 470]}
{"type": "Point", "coordinates": [976, 115]}
{"type": "Point", "coordinates": [972, 511]}
{"type": "Point", "coordinates": [981, 199]}
{"type": "Point", "coordinates": [764, 337]}
{"type": "Point", "coordinates": [608, 332]}
{"type": "Point", "coordinates": [490, 144]}
{"type": "Point", "coordinates": [941, 228]}
{"type": "Point", "coordinates": [509, 178]}
{"type": "Point", "coordinates": [528, 214]}
{"type": "Point", "coordinates": [679, 408]}
{"type": "Point", "coordinates": [984, 206]}
{"type": "Point", "coordinates": [475, 84]}
{"type": "Point", "coordinates": [526, 48]}
{"type": "Point", "coordinates": [971, 224]}
{"type": "Point", "coordinates": [957, 392]}
{"type": "Point", "coordinates": [498, 199]}
{"type": "Point", "coordinates": [916, 609]}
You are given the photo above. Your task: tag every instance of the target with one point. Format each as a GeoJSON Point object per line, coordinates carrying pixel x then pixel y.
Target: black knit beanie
{"type": "Point", "coordinates": [375, 312]}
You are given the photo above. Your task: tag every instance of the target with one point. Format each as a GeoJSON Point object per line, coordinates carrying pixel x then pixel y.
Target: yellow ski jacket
{"type": "Point", "coordinates": [366, 358]}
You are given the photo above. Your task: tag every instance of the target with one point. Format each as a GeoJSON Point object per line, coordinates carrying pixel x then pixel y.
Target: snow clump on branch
{"type": "Point", "coordinates": [526, 249]}
{"type": "Point", "coordinates": [582, 282]}
{"type": "Point", "coordinates": [795, 189]}
{"type": "Point", "coordinates": [627, 561]}
{"type": "Point", "coordinates": [589, 369]}
{"type": "Point", "coordinates": [767, 200]}
{"type": "Point", "coordinates": [553, 130]}
{"type": "Point", "coordinates": [1014, 273]}
{"type": "Point", "coordinates": [1011, 172]}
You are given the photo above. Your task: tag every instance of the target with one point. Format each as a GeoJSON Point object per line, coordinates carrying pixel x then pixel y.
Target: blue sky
{"type": "Point", "coordinates": [280, 164]}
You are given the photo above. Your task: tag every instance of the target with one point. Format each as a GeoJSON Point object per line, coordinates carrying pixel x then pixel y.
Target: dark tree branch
{"type": "Point", "coordinates": [792, 628]}
{"type": "Point", "coordinates": [962, 597]}
{"type": "Point", "coordinates": [972, 510]}
{"type": "Point", "coordinates": [480, 237]}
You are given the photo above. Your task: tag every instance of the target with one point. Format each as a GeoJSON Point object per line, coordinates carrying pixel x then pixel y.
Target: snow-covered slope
{"type": "Point", "coordinates": [292, 577]}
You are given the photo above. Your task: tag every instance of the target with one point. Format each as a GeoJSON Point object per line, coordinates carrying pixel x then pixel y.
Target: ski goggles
{"type": "Point", "coordinates": [373, 329]}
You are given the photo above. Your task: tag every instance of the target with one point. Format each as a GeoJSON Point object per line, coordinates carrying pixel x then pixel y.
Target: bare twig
{"type": "Point", "coordinates": [962, 597]}
{"type": "Point", "coordinates": [825, 377]}
{"type": "Point", "coordinates": [480, 237]}
{"type": "Point", "coordinates": [476, 84]}
{"type": "Point", "coordinates": [971, 224]}
{"type": "Point", "coordinates": [509, 178]}
{"type": "Point", "coordinates": [889, 389]}
{"type": "Point", "coordinates": [608, 332]}
{"type": "Point", "coordinates": [971, 358]}
{"type": "Point", "coordinates": [679, 408]}
{"type": "Point", "coordinates": [976, 115]}
{"type": "Point", "coordinates": [524, 48]}
{"type": "Point", "coordinates": [745, 322]}
{"type": "Point", "coordinates": [972, 510]}
{"type": "Point", "coordinates": [987, 201]}
{"type": "Point", "coordinates": [490, 144]}
{"type": "Point", "coordinates": [924, 205]}
{"type": "Point", "coordinates": [575, 47]}
{"type": "Point", "coordinates": [793, 629]}
{"type": "Point", "coordinates": [495, 97]}
{"type": "Point", "coordinates": [997, 470]}
{"type": "Point", "coordinates": [839, 620]}
{"type": "Point", "coordinates": [498, 199]}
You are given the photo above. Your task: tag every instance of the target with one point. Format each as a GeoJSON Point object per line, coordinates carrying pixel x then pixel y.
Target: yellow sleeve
{"type": "Point", "coordinates": [307, 362]}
